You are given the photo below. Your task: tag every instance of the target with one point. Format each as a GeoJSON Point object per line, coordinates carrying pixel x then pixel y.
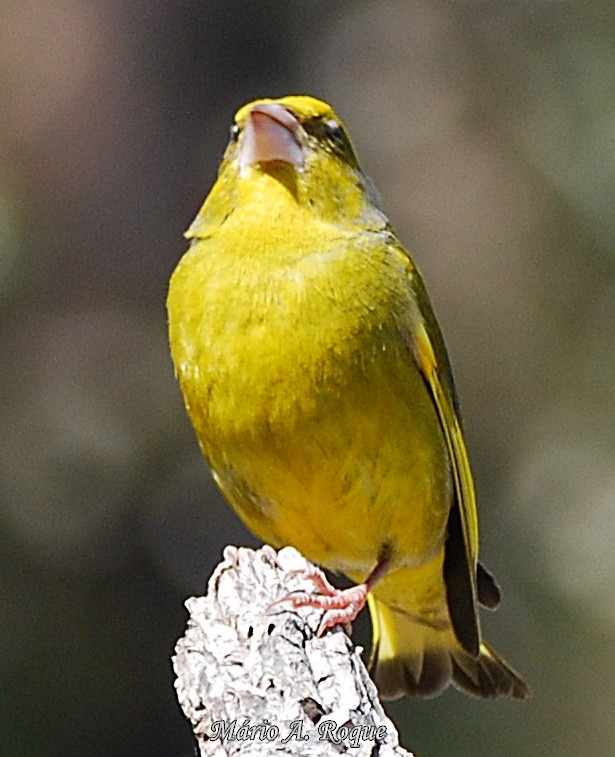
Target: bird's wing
{"type": "Point", "coordinates": [461, 550]}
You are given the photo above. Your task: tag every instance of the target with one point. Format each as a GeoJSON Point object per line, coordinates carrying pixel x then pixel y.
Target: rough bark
{"type": "Point", "coordinates": [256, 679]}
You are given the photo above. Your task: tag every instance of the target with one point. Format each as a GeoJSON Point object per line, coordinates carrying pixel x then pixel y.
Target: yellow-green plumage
{"type": "Point", "coordinates": [317, 381]}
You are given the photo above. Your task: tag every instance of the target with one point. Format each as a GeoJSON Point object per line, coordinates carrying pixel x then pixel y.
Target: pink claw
{"type": "Point", "coordinates": [341, 606]}
{"type": "Point", "coordinates": [318, 578]}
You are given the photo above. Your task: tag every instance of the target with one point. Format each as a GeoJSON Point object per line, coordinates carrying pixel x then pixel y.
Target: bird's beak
{"type": "Point", "coordinates": [271, 133]}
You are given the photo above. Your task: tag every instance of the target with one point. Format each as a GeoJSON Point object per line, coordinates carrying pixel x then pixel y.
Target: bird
{"type": "Point", "coordinates": [316, 378]}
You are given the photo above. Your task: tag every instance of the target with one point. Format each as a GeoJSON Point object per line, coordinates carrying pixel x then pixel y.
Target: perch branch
{"type": "Point", "coordinates": [257, 680]}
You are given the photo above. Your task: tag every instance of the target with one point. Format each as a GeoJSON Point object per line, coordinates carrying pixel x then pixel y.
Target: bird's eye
{"type": "Point", "coordinates": [234, 133]}
{"type": "Point", "coordinates": [331, 136]}
{"type": "Point", "coordinates": [334, 131]}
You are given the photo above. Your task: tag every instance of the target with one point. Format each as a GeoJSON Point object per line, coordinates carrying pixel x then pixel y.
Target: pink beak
{"type": "Point", "coordinates": [271, 133]}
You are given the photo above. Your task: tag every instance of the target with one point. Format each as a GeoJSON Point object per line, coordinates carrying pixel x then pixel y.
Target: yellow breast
{"type": "Point", "coordinates": [305, 397]}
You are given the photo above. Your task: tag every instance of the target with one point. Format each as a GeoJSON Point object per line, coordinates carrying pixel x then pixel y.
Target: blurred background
{"type": "Point", "coordinates": [489, 129]}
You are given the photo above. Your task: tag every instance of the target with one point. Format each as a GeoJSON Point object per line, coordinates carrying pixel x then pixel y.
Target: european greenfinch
{"type": "Point", "coordinates": [315, 375]}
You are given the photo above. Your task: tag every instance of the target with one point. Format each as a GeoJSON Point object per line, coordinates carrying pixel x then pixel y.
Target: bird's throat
{"type": "Point", "coordinates": [268, 185]}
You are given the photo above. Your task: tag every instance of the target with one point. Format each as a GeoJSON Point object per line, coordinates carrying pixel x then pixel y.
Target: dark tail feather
{"type": "Point", "coordinates": [409, 657]}
{"type": "Point", "coordinates": [489, 594]}
{"type": "Point", "coordinates": [487, 675]}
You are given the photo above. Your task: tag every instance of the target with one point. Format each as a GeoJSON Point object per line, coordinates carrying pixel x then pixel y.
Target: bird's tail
{"type": "Point", "coordinates": [411, 657]}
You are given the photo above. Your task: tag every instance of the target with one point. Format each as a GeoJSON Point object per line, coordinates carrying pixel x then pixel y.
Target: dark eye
{"type": "Point", "coordinates": [234, 133]}
{"type": "Point", "coordinates": [335, 131]}
{"type": "Point", "coordinates": [331, 135]}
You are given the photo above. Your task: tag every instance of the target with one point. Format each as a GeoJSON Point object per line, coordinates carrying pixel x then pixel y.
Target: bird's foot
{"type": "Point", "coordinates": [341, 606]}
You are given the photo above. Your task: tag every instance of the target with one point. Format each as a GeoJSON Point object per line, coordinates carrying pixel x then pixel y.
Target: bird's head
{"type": "Point", "coordinates": [293, 149]}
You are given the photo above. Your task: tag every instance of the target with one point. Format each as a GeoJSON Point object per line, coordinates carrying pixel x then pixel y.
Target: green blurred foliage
{"type": "Point", "coordinates": [489, 130]}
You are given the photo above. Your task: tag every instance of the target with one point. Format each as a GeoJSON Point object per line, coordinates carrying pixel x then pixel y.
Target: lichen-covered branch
{"type": "Point", "coordinates": [256, 679]}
